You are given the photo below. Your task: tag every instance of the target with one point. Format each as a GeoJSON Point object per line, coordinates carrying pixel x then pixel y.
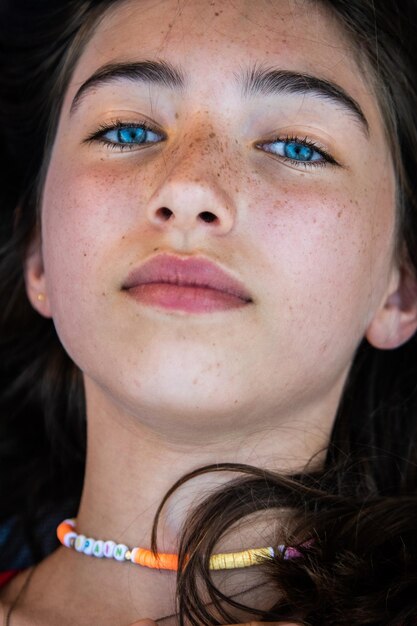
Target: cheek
{"type": "Point", "coordinates": [328, 247]}
{"type": "Point", "coordinates": [83, 215]}
{"type": "Point", "coordinates": [90, 219]}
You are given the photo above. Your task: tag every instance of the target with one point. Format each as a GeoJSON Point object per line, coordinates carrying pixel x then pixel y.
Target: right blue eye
{"type": "Point", "coordinates": [295, 150]}
{"type": "Point", "coordinates": [298, 151]}
{"type": "Point", "coordinates": [131, 135]}
{"type": "Point", "coordinates": [126, 136]}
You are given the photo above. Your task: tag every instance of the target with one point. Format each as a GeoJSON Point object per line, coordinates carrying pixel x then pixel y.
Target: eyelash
{"type": "Point", "coordinates": [327, 158]}
{"type": "Point", "coordinates": [98, 136]}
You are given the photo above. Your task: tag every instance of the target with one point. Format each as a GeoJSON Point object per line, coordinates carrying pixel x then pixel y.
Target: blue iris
{"type": "Point", "coordinates": [298, 151]}
{"type": "Point", "coordinates": [131, 135]}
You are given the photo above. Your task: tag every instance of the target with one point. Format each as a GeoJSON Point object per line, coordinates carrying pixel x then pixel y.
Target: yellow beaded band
{"type": "Point", "coordinates": [96, 547]}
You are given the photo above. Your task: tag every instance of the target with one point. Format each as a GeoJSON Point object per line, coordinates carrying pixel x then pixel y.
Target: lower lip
{"type": "Point", "coordinates": [187, 299]}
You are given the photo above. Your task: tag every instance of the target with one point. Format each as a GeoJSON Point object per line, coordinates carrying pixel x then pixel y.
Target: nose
{"type": "Point", "coordinates": [190, 197]}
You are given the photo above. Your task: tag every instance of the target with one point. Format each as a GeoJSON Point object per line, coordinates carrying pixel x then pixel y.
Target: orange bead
{"type": "Point", "coordinates": [169, 561]}
{"type": "Point", "coordinates": [62, 530]}
{"type": "Point", "coordinates": [148, 559]}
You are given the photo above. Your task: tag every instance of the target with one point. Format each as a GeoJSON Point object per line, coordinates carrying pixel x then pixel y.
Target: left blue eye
{"type": "Point", "coordinates": [295, 150]}
{"type": "Point", "coordinates": [300, 152]}
{"type": "Point", "coordinates": [130, 135]}
{"type": "Point", "coordinates": [126, 136]}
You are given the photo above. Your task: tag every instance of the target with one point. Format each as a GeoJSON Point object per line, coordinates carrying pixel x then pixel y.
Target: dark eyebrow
{"type": "Point", "coordinates": [258, 80]}
{"type": "Point", "coordinates": [270, 81]}
{"type": "Point", "coordinates": [158, 72]}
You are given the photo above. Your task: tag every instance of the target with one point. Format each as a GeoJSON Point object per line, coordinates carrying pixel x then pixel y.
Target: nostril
{"type": "Point", "coordinates": [208, 217]}
{"type": "Point", "coordinates": [164, 213]}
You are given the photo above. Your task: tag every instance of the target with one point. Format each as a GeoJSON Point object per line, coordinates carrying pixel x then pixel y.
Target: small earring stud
{"type": "Point", "coordinates": [41, 297]}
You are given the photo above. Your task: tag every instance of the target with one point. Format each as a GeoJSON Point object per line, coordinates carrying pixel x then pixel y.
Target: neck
{"type": "Point", "coordinates": [131, 466]}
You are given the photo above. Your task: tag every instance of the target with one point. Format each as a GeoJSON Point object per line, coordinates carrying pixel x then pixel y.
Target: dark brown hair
{"type": "Point", "coordinates": [354, 520]}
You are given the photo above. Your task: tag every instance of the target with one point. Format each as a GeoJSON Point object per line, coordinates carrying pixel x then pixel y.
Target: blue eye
{"type": "Point", "coordinates": [131, 135]}
{"type": "Point", "coordinates": [299, 151]}
{"type": "Point", "coordinates": [124, 136]}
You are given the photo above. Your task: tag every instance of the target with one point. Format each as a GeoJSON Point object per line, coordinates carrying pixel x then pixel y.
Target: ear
{"type": "Point", "coordinates": [396, 320]}
{"type": "Point", "coordinates": [35, 279]}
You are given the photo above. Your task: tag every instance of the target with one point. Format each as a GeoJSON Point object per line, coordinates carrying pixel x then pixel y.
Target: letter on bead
{"type": "Point", "coordinates": [98, 548]}
{"type": "Point", "coordinates": [69, 539]}
{"type": "Point", "coordinates": [89, 546]}
{"type": "Point", "coordinates": [108, 549]}
{"type": "Point", "coordinates": [120, 551]}
{"type": "Point", "coordinates": [80, 543]}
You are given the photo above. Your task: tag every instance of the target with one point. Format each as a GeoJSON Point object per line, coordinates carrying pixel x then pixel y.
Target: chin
{"type": "Point", "coordinates": [185, 407]}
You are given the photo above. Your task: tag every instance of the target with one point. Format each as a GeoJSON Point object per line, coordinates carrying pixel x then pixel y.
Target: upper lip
{"type": "Point", "coordinates": [185, 271]}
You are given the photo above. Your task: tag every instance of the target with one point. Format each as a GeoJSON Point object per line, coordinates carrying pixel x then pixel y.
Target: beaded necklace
{"type": "Point", "coordinates": [99, 548]}
{"type": "Point", "coordinates": [68, 536]}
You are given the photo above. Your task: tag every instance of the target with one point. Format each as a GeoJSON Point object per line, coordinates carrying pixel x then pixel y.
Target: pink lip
{"type": "Point", "coordinates": [191, 284]}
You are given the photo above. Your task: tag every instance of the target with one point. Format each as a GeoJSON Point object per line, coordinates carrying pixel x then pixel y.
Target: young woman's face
{"type": "Point", "coordinates": [284, 182]}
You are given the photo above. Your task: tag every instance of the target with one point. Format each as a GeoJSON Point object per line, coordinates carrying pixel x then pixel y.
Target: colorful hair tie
{"type": "Point", "coordinates": [69, 538]}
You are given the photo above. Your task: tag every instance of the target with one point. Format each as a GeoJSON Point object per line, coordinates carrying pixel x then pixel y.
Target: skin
{"type": "Point", "coordinates": [168, 392]}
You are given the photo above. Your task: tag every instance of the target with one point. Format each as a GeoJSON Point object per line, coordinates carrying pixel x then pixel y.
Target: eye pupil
{"type": "Point", "coordinates": [298, 151]}
{"type": "Point", "coordinates": [129, 135]}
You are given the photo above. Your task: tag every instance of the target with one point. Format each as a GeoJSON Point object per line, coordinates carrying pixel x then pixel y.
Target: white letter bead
{"type": "Point", "coordinates": [69, 538]}
{"type": "Point", "coordinates": [70, 521]}
{"type": "Point", "coordinates": [108, 549]}
{"type": "Point", "coordinates": [98, 548]}
{"type": "Point", "coordinates": [88, 546]}
{"type": "Point", "coordinates": [80, 543]}
{"type": "Point", "coordinates": [120, 551]}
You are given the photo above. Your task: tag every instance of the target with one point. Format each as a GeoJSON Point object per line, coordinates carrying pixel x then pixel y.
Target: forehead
{"type": "Point", "coordinates": [214, 40]}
